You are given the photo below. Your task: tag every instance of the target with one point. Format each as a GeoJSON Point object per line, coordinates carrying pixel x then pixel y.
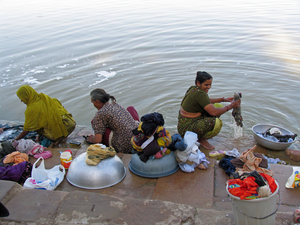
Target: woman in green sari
{"type": "Point", "coordinates": [199, 113]}
{"type": "Point", "coordinates": [45, 115]}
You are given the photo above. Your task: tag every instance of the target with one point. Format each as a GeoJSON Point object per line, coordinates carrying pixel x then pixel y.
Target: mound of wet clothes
{"type": "Point", "coordinates": [151, 139]}
{"type": "Point", "coordinates": [252, 185]}
{"type": "Point", "coordinates": [14, 155]}
{"type": "Point", "coordinates": [248, 161]}
{"type": "Point", "coordinates": [275, 134]}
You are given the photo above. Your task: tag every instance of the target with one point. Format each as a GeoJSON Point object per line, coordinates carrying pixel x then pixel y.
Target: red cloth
{"type": "Point", "coordinates": [248, 186]}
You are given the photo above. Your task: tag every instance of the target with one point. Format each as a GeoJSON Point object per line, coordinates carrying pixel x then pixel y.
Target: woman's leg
{"type": "Point", "coordinates": [133, 113]}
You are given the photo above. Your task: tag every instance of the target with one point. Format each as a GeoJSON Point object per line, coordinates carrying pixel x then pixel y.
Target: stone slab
{"type": "Point", "coordinates": [93, 208]}
{"type": "Point", "coordinates": [32, 204]}
{"type": "Point", "coordinates": [289, 196]}
{"type": "Point", "coordinates": [195, 188]}
{"type": "Point", "coordinates": [8, 190]}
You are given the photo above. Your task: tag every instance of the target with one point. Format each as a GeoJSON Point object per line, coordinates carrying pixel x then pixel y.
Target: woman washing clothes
{"type": "Point", "coordinates": [44, 115]}
{"type": "Point", "coordinates": [198, 112]}
{"type": "Point", "coordinates": [112, 123]}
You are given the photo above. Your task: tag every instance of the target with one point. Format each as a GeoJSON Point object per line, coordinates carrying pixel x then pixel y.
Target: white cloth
{"type": "Point", "coordinates": [234, 153]}
{"type": "Point", "coordinates": [191, 153]}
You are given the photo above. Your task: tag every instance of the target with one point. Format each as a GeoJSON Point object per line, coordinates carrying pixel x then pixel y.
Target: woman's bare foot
{"type": "Point", "coordinates": [201, 166]}
{"type": "Point", "coordinates": [206, 144]}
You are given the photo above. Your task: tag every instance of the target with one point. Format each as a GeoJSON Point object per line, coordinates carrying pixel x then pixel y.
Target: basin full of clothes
{"type": "Point", "coordinates": [152, 156]}
{"type": "Point", "coordinates": [273, 137]}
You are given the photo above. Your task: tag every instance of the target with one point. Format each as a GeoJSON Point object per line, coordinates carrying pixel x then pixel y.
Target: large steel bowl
{"type": "Point", "coordinates": [273, 145]}
{"type": "Point", "coordinates": [154, 168]}
{"type": "Point", "coordinates": [106, 173]}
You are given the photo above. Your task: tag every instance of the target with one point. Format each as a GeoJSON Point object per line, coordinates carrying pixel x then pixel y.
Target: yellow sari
{"type": "Point", "coordinates": [44, 114]}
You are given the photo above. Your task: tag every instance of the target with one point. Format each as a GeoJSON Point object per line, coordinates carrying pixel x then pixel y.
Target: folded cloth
{"type": "Point", "coordinates": [16, 158]}
{"type": "Point", "coordinates": [95, 153]}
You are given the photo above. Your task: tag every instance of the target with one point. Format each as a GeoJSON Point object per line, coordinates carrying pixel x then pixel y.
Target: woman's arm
{"type": "Point", "coordinates": [96, 139]}
{"type": "Point", "coordinates": [218, 100]}
{"type": "Point", "coordinates": [21, 135]}
{"type": "Point", "coordinates": [213, 111]}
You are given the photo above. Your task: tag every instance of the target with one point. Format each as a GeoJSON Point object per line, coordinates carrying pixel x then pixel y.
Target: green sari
{"type": "Point", "coordinates": [205, 126]}
{"type": "Point", "coordinates": [45, 115]}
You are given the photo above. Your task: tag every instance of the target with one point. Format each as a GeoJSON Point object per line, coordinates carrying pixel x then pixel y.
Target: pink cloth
{"type": "Point", "coordinates": [44, 155]}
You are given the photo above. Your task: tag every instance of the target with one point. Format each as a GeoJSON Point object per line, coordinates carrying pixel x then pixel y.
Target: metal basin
{"type": "Point", "coordinates": [106, 173]}
{"type": "Point", "coordinates": [154, 168]}
{"type": "Point", "coordinates": [273, 145]}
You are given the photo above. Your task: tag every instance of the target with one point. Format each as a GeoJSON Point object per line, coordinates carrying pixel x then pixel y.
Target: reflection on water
{"type": "Point", "coordinates": [147, 54]}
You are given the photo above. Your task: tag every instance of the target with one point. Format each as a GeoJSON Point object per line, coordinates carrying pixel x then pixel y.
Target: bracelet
{"type": "Point", "coordinates": [227, 108]}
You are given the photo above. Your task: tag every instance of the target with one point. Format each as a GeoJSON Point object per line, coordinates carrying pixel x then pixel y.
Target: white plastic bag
{"type": "Point", "coordinates": [294, 180]}
{"type": "Point", "coordinates": [45, 179]}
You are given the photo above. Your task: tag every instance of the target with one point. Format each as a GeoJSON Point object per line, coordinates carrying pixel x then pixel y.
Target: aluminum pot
{"type": "Point", "coordinates": [106, 173]}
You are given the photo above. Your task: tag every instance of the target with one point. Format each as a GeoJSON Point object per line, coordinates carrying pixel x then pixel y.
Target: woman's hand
{"type": "Point", "coordinates": [229, 99]}
{"type": "Point", "coordinates": [91, 138]}
{"type": "Point", "coordinates": [236, 104]}
{"type": "Point", "coordinates": [96, 139]}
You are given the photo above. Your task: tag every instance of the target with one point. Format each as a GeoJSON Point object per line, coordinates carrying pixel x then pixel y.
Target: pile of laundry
{"type": "Point", "coordinates": [275, 134]}
{"type": "Point", "coordinates": [188, 154]}
{"type": "Point", "coordinates": [250, 174]}
{"type": "Point", "coordinates": [235, 164]}
{"type": "Point", "coordinates": [252, 185]}
{"type": "Point", "coordinates": [14, 159]}
{"type": "Point", "coordinates": [151, 139]}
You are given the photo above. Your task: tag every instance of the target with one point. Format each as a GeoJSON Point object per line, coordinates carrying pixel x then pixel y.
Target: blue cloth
{"type": "Point", "coordinates": [226, 165]}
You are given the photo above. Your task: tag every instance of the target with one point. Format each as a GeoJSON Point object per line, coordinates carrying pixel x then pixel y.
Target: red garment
{"type": "Point", "coordinates": [248, 186]}
{"type": "Point", "coordinates": [271, 181]}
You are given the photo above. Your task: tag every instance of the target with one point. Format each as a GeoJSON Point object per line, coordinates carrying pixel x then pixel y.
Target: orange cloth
{"type": "Point", "coordinates": [15, 157]}
{"type": "Point", "coordinates": [251, 163]}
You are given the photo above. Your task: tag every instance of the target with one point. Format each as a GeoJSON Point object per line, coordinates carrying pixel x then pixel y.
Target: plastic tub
{"type": "Point", "coordinates": [273, 145]}
{"type": "Point", "coordinates": [154, 168]}
{"type": "Point", "coordinates": [260, 211]}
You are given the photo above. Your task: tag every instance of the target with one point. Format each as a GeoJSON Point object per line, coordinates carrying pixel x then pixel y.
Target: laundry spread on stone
{"type": "Point", "coordinates": [11, 132]}
{"type": "Point", "coordinates": [97, 152]}
{"type": "Point", "coordinates": [237, 112]}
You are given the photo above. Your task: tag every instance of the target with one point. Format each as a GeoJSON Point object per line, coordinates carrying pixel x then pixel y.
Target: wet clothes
{"type": "Point", "coordinates": [119, 121]}
{"type": "Point", "coordinates": [225, 164]}
{"type": "Point", "coordinates": [194, 101]}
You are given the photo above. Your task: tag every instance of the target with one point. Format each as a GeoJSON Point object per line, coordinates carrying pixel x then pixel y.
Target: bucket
{"type": "Point", "coordinates": [66, 159]}
{"type": "Point", "coordinates": [261, 211]}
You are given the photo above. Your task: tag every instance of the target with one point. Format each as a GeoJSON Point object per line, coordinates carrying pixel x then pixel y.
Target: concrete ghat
{"type": "Point", "coordinates": [181, 198]}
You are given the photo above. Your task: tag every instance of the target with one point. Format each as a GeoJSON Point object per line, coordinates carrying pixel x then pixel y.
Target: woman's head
{"type": "Point", "coordinates": [203, 80]}
{"type": "Point", "coordinates": [202, 76]}
{"type": "Point", "coordinates": [99, 97]}
{"type": "Point", "coordinates": [27, 94]}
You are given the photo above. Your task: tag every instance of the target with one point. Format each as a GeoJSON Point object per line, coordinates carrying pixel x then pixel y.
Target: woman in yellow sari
{"type": "Point", "coordinates": [44, 115]}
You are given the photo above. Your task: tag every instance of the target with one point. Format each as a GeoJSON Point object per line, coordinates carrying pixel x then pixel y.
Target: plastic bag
{"type": "Point", "coordinates": [294, 180]}
{"type": "Point", "coordinates": [45, 179]}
